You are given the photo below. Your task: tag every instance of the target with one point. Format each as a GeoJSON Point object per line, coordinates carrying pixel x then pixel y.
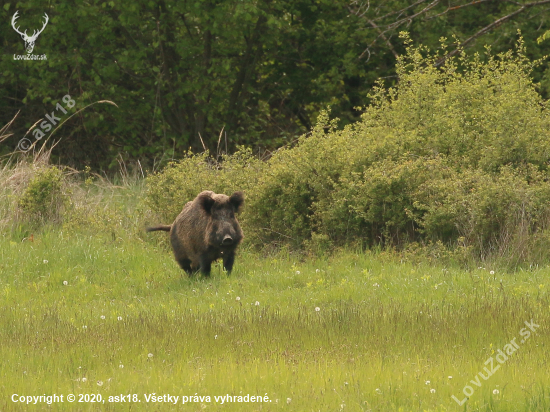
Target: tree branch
{"type": "Point", "coordinates": [381, 34]}
{"type": "Point", "coordinates": [473, 3]}
{"type": "Point", "coordinates": [489, 27]}
{"type": "Point", "coordinates": [409, 18]}
{"type": "Point", "coordinates": [400, 11]}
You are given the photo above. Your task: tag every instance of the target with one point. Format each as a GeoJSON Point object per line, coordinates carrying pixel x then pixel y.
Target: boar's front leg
{"type": "Point", "coordinates": [185, 264]}
{"type": "Point", "coordinates": [205, 264]}
{"type": "Point", "coordinates": [228, 260]}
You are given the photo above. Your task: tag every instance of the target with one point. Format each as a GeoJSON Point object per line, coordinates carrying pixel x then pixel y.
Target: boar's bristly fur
{"type": "Point", "coordinates": [205, 230]}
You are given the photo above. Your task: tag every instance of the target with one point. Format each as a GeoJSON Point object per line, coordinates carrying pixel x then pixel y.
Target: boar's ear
{"type": "Point", "coordinates": [237, 200]}
{"type": "Point", "coordinates": [206, 202]}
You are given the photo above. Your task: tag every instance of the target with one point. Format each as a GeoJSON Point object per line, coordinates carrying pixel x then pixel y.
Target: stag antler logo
{"type": "Point", "coordinates": [29, 40]}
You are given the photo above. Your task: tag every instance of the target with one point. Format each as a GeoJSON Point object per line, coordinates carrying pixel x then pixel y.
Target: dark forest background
{"type": "Point", "coordinates": [220, 74]}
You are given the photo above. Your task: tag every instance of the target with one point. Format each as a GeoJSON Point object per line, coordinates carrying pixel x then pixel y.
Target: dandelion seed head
{"type": "Point", "coordinates": [297, 272]}
{"type": "Point", "coordinates": [121, 366]}
{"type": "Point", "coordinates": [492, 272]}
{"type": "Point", "coordinates": [288, 400]}
{"type": "Point", "coordinates": [65, 283]}
{"type": "Point", "coordinates": [450, 377]}
{"type": "Point", "coordinates": [44, 261]}
{"type": "Point", "coordinates": [84, 379]}
{"type": "Point", "coordinates": [317, 309]}
{"type": "Point", "coordinates": [496, 392]}
{"type": "Point", "coordinates": [238, 298]}
{"type": "Point", "coordinates": [99, 383]}
{"type": "Point", "coordinates": [427, 382]}
{"type": "Point", "coordinates": [119, 318]}
{"type": "Point", "coordinates": [150, 355]}
{"type": "Point", "coordinates": [102, 316]}
{"type": "Point", "coordinates": [378, 391]}
{"type": "Point", "coordinates": [432, 390]}
{"type": "Point", "coordinates": [257, 303]}
{"type": "Point", "coordinates": [317, 270]}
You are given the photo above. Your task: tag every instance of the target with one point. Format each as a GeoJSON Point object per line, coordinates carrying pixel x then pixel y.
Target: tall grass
{"type": "Point", "coordinates": [120, 313]}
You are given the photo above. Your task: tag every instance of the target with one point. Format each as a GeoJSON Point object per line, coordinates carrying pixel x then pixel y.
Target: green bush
{"type": "Point", "coordinates": [43, 199]}
{"type": "Point", "coordinates": [477, 112]}
{"type": "Point", "coordinates": [490, 212]}
{"type": "Point", "coordinates": [378, 204]}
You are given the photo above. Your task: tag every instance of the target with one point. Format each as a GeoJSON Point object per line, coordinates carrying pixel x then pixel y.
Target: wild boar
{"type": "Point", "coordinates": [205, 230]}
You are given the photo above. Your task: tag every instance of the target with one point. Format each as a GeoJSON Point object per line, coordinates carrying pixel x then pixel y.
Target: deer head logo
{"type": "Point", "coordinates": [29, 40]}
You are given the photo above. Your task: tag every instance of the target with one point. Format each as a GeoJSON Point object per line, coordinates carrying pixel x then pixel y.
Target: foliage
{"type": "Point", "coordinates": [44, 199]}
{"type": "Point", "coordinates": [455, 154]}
{"type": "Point", "coordinates": [440, 133]}
{"type": "Point", "coordinates": [181, 72]}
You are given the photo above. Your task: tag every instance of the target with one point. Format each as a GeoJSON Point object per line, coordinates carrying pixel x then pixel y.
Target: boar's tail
{"type": "Point", "coordinates": [164, 228]}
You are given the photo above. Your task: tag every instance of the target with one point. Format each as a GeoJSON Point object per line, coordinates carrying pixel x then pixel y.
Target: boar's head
{"type": "Point", "coordinates": [224, 230]}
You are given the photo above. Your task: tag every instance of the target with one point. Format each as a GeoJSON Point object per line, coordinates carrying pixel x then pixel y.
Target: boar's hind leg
{"type": "Point", "coordinates": [185, 264]}
{"type": "Point", "coordinates": [228, 260]}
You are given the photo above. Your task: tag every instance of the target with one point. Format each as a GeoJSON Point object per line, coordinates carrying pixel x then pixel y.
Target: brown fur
{"type": "Point", "coordinates": [202, 231]}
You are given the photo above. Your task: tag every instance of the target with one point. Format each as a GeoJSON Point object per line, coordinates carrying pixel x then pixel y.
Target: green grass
{"type": "Point", "coordinates": [382, 331]}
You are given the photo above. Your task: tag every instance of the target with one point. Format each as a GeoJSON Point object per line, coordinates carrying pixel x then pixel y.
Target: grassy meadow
{"type": "Point", "coordinates": [92, 313]}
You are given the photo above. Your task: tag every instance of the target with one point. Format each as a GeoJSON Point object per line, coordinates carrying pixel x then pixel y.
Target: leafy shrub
{"type": "Point", "coordinates": [43, 199]}
{"type": "Point", "coordinates": [490, 212]}
{"type": "Point", "coordinates": [479, 113]}
{"type": "Point", "coordinates": [378, 204]}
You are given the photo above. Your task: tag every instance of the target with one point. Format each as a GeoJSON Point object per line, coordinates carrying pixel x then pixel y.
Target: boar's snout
{"type": "Point", "coordinates": [227, 240]}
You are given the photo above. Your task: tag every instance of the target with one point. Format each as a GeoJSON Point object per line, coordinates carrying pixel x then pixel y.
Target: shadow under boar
{"type": "Point", "coordinates": [205, 230]}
